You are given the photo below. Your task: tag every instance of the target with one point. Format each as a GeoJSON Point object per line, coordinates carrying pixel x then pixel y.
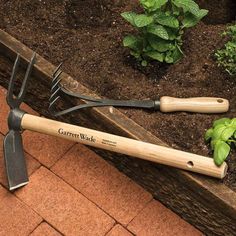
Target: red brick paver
{"type": "Point", "coordinates": [15, 217]}
{"type": "Point", "coordinates": [156, 219]}
{"type": "Point", "coordinates": [46, 149]}
{"type": "Point", "coordinates": [45, 229]}
{"type": "Point", "coordinates": [63, 207]}
{"type": "Point", "coordinates": [118, 230]}
{"type": "Point", "coordinates": [102, 183]}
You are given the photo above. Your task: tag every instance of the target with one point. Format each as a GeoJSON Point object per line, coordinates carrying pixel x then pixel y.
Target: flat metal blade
{"type": "Point", "coordinates": [15, 163]}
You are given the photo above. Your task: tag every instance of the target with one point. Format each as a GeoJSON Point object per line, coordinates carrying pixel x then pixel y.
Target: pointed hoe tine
{"type": "Point", "coordinates": [14, 160]}
{"type": "Point", "coordinates": [10, 90]}
{"type": "Point", "coordinates": [26, 78]}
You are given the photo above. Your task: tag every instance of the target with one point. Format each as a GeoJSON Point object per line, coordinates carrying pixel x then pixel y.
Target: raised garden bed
{"type": "Point", "coordinates": [92, 53]}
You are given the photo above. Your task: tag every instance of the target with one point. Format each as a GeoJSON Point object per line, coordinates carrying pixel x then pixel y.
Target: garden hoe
{"type": "Point", "coordinates": [18, 121]}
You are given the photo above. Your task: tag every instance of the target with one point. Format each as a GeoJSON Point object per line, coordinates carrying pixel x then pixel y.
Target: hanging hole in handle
{"type": "Point", "coordinates": [220, 100]}
{"type": "Point", "coordinates": [190, 164]}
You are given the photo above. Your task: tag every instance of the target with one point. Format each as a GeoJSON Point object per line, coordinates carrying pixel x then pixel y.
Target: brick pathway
{"type": "Point", "coordinates": [73, 191]}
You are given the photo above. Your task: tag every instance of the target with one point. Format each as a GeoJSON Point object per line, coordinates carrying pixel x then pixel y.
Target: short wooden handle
{"type": "Point", "coordinates": [197, 104]}
{"type": "Point", "coordinates": [131, 147]}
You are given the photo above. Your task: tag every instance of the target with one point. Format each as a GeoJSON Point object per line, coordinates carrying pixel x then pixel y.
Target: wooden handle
{"type": "Point", "coordinates": [198, 104]}
{"type": "Point", "coordinates": [131, 147]}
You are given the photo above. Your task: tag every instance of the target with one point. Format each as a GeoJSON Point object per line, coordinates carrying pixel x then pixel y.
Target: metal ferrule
{"type": "Point", "coordinates": [14, 119]}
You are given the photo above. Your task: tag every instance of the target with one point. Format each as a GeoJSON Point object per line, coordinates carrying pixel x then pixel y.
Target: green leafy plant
{"type": "Point", "coordinates": [160, 29]}
{"type": "Point", "coordinates": [226, 57]}
{"type": "Point", "coordinates": [221, 137]}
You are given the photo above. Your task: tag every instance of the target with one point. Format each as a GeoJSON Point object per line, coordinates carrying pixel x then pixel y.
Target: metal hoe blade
{"type": "Point", "coordinates": [15, 160]}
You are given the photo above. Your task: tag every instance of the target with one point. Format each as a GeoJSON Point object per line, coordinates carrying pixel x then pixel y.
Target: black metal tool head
{"type": "Point", "coordinates": [14, 102]}
{"type": "Point", "coordinates": [13, 148]}
{"type": "Point", "coordinates": [57, 90]}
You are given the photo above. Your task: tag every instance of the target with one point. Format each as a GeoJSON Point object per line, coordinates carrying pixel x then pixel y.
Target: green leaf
{"type": "Point", "coordinates": [155, 55]}
{"type": "Point", "coordinates": [147, 4]}
{"type": "Point", "coordinates": [172, 33]}
{"type": "Point", "coordinates": [191, 20]}
{"type": "Point", "coordinates": [187, 5]}
{"type": "Point", "coordinates": [177, 54]}
{"type": "Point", "coordinates": [227, 133]}
{"type": "Point", "coordinates": [201, 13]}
{"type": "Point", "coordinates": [136, 54]}
{"type": "Point", "coordinates": [158, 44]}
{"type": "Point", "coordinates": [153, 5]}
{"type": "Point", "coordinates": [217, 132]}
{"type": "Point", "coordinates": [221, 152]}
{"type": "Point", "coordinates": [166, 20]}
{"type": "Point", "coordinates": [223, 121]}
{"type": "Point", "coordinates": [213, 143]}
{"type": "Point", "coordinates": [142, 20]}
{"type": "Point", "coordinates": [208, 134]}
{"type": "Point", "coordinates": [233, 122]}
{"type": "Point", "coordinates": [132, 42]}
{"type": "Point", "coordinates": [168, 58]}
{"type": "Point", "coordinates": [160, 3]}
{"type": "Point", "coordinates": [158, 30]}
{"type": "Point", "coordinates": [129, 16]}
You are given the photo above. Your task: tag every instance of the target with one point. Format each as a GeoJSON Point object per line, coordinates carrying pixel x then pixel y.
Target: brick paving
{"type": "Point", "coordinates": [73, 191]}
{"type": "Point", "coordinates": [45, 229]}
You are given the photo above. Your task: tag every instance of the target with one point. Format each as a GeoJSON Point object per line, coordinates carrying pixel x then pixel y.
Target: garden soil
{"type": "Point", "coordinates": [87, 37]}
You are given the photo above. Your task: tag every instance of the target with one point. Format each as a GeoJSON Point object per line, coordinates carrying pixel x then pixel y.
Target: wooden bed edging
{"type": "Point", "coordinates": [204, 202]}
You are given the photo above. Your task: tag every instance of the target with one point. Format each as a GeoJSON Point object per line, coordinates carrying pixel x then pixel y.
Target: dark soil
{"type": "Point", "coordinates": [87, 36]}
{"type": "Point", "coordinates": [220, 11]}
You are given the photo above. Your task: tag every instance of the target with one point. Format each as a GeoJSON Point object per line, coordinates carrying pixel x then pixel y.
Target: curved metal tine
{"type": "Point", "coordinates": [11, 101]}
{"type": "Point", "coordinates": [69, 110]}
{"type": "Point", "coordinates": [135, 104]}
{"type": "Point", "coordinates": [84, 97]}
{"type": "Point", "coordinates": [26, 78]}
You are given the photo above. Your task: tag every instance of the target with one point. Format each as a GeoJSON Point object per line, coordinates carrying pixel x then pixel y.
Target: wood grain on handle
{"type": "Point", "coordinates": [131, 147]}
{"type": "Point", "coordinates": [197, 104]}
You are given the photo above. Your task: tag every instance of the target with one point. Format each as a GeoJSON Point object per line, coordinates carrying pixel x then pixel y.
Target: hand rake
{"type": "Point", "coordinates": [165, 104]}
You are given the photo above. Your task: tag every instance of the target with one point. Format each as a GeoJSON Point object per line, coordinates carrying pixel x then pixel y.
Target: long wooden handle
{"type": "Point", "coordinates": [131, 147]}
{"type": "Point", "coordinates": [197, 104]}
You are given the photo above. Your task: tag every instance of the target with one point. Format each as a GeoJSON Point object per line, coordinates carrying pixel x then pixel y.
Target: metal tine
{"type": "Point", "coordinates": [55, 89]}
{"type": "Point", "coordinates": [54, 95]}
{"type": "Point", "coordinates": [55, 76]}
{"type": "Point", "coordinates": [51, 105]}
{"type": "Point", "coordinates": [57, 69]}
{"type": "Point", "coordinates": [27, 75]}
{"type": "Point", "coordinates": [55, 82]}
{"type": "Point", "coordinates": [10, 95]}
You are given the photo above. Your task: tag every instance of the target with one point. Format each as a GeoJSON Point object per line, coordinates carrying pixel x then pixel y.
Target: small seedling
{"type": "Point", "coordinates": [160, 29]}
{"type": "Point", "coordinates": [226, 57]}
{"type": "Point", "coordinates": [222, 136]}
